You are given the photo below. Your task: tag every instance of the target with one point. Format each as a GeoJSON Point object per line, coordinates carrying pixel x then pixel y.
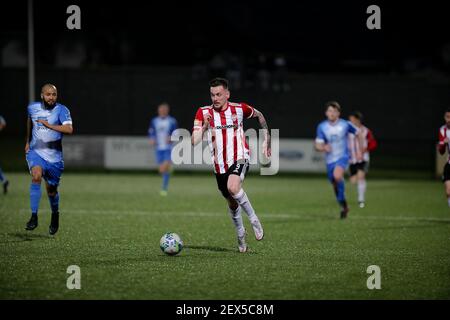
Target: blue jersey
{"type": "Point", "coordinates": [45, 142]}
{"type": "Point", "coordinates": [336, 135]}
{"type": "Point", "coordinates": [160, 130]}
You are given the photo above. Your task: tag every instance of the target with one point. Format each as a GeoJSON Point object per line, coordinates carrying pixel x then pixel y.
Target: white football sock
{"type": "Point", "coordinates": [237, 220]}
{"type": "Point", "coordinates": [242, 199]}
{"type": "Point", "coordinates": [361, 190]}
{"type": "Point", "coordinates": [448, 200]}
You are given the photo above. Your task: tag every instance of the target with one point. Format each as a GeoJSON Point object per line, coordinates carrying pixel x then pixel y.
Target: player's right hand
{"type": "Point", "coordinates": [27, 147]}
{"type": "Point", "coordinates": [446, 140]}
{"type": "Point", "coordinates": [327, 148]}
{"type": "Point", "coordinates": [206, 120]}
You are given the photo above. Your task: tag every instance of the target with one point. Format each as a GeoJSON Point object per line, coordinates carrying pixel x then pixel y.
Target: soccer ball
{"type": "Point", "coordinates": [171, 243]}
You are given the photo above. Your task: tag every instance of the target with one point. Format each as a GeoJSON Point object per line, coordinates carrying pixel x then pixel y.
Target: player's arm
{"type": "Point", "coordinates": [263, 123]}
{"type": "Point", "coordinates": [62, 128]}
{"type": "Point", "coordinates": [360, 136]}
{"type": "Point", "coordinates": [371, 141]}
{"type": "Point", "coordinates": [443, 141]}
{"type": "Point", "coordinates": [320, 144]}
{"type": "Point", "coordinates": [152, 133]}
{"type": "Point", "coordinates": [200, 126]}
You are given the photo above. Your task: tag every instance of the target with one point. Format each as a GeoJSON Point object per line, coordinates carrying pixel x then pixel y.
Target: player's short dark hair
{"type": "Point", "coordinates": [333, 104]}
{"type": "Point", "coordinates": [357, 114]}
{"type": "Point", "coordinates": [447, 110]}
{"type": "Point", "coordinates": [219, 82]}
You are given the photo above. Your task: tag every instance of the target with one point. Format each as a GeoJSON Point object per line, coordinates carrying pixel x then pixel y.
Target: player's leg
{"type": "Point", "coordinates": [362, 186]}
{"type": "Point", "coordinates": [338, 177]}
{"type": "Point", "coordinates": [35, 196]}
{"type": "Point", "coordinates": [447, 191]}
{"type": "Point", "coordinates": [4, 182]}
{"type": "Point", "coordinates": [52, 177]}
{"type": "Point", "coordinates": [164, 170]}
{"type": "Point", "coordinates": [353, 174]}
{"type": "Point", "coordinates": [234, 186]}
{"type": "Point", "coordinates": [234, 210]}
{"type": "Point", "coordinates": [446, 180]}
{"type": "Point", "coordinates": [53, 198]}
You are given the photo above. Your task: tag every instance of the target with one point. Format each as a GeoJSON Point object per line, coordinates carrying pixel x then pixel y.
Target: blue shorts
{"type": "Point", "coordinates": [51, 171]}
{"type": "Point", "coordinates": [163, 155]}
{"type": "Point", "coordinates": [342, 162]}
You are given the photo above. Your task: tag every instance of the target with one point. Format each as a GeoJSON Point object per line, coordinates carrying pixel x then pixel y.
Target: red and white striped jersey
{"type": "Point", "coordinates": [444, 132]}
{"type": "Point", "coordinates": [354, 147]}
{"type": "Point", "coordinates": [225, 137]}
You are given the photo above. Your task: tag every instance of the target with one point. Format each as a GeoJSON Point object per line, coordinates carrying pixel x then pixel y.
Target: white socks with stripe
{"type": "Point", "coordinates": [242, 199]}
{"type": "Point", "coordinates": [237, 220]}
{"type": "Point", "coordinates": [361, 190]}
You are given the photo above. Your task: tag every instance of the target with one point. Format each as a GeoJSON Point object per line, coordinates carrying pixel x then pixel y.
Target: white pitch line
{"type": "Point", "coordinates": [264, 215]}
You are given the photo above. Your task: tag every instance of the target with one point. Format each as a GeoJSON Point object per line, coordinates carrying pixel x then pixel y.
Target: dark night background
{"type": "Point", "coordinates": [286, 58]}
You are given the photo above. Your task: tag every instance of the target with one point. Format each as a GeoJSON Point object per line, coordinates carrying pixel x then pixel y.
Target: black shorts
{"type": "Point", "coordinates": [446, 174]}
{"type": "Point", "coordinates": [239, 168]}
{"type": "Point", "coordinates": [363, 166]}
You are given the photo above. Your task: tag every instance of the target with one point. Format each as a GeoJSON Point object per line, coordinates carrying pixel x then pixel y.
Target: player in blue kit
{"type": "Point", "coordinates": [332, 138]}
{"type": "Point", "coordinates": [159, 131]}
{"type": "Point", "coordinates": [46, 124]}
{"type": "Point", "coordinates": [3, 179]}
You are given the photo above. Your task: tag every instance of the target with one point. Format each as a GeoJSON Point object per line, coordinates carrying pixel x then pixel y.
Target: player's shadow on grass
{"type": "Point", "coordinates": [28, 236]}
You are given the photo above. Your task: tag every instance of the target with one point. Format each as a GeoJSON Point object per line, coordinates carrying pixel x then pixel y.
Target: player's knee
{"type": "Point", "coordinates": [36, 177]}
{"type": "Point", "coordinates": [233, 188]}
{"type": "Point", "coordinates": [338, 177]}
{"type": "Point", "coordinates": [52, 191]}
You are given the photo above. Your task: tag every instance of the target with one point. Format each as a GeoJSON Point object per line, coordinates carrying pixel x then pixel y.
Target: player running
{"type": "Point", "coordinates": [443, 145]}
{"type": "Point", "coordinates": [359, 168]}
{"type": "Point", "coordinates": [47, 122]}
{"type": "Point", "coordinates": [223, 122]}
{"type": "Point", "coordinates": [159, 131]}
{"type": "Point", "coordinates": [332, 138]}
{"type": "Point", "coordinates": [3, 179]}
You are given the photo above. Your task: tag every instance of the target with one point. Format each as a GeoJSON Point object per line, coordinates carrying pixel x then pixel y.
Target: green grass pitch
{"type": "Point", "coordinates": [111, 225]}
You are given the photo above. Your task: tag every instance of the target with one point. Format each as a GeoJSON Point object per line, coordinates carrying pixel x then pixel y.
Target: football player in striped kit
{"type": "Point", "coordinates": [223, 123]}
{"type": "Point", "coordinates": [359, 168]}
{"type": "Point", "coordinates": [444, 139]}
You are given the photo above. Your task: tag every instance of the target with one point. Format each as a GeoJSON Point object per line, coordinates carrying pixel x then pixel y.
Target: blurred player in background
{"type": "Point", "coordinates": [359, 168]}
{"type": "Point", "coordinates": [3, 179]}
{"type": "Point", "coordinates": [223, 122]}
{"type": "Point", "coordinates": [443, 145]}
{"type": "Point", "coordinates": [332, 138]}
{"type": "Point", "coordinates": [46, 124]}
{"type": "Point", "coordinates": [159, 131]}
